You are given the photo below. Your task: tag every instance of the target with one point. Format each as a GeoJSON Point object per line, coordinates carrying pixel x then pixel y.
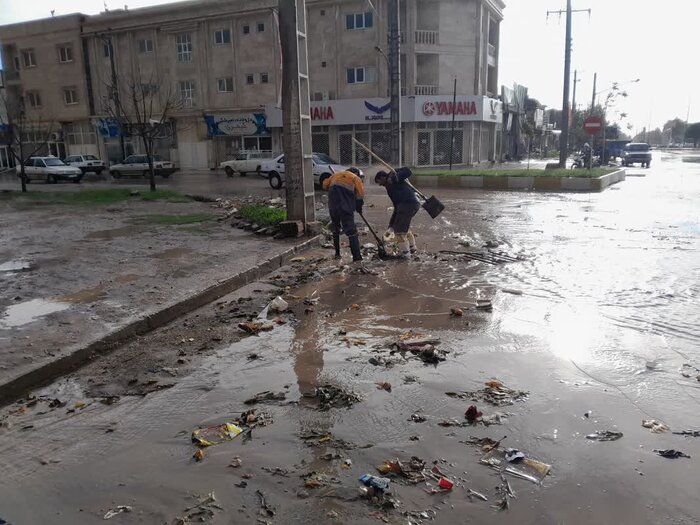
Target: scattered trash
{"type": "Point", "coordinates": [235, 462]}
{"type": "Point", "coordinates": [375, 482]}
{"type": "Point", "coordinates": [330, 396]}
{"type": "Point", "coordinates": [253, 327]}
{"type": "Point", "coordinates": [476, 494]}
{"type": "Point", "coordinates": [456, 312]}
{"type": "Point", "coordinates": [691, 433]}
{"type": "Point", "coordinates": [262, 397]}
{"type": "Point", "coordinates": [671, 454]}
{"type": "Point", "coordinates": [277, 471]}
{"type": "Point", "coordinates": [241, 484]}
{"type": "Point", "coordinates": [526, 468]}
{"type": "Point", "coordinates": [417, 418]}
{"type": "Point", "coordinates": [688, 371]}
{"type": "Point", "coordinates": [487, 444]}
{"type": "Point", "coordinates": [279, 305]}
{"type": "Point", "coordinates": [347, 463]}
{"type": "Point", "coordinates": [297, 259]}
{"type": "Point", "coordinates": [201, 511]}
{"type": "Point", "coordinates": [199, 454]}
{"type": "Point", "coordinates": [495, 393]}
{"type": "Point", "coordinates": [655, 426]}
{"type": "Point", "coordinates": [484, 305]}
{"type": "Point", "coordinates": [514, 455]}
{"type": "Point", "coordinates": [445, 484]}
{"type": "Point", "coordinates": [252, 418]}
{"type": "Point", "coordinates": [411, 471]}
{"type": "Point", "coordinates": [472, 414]}
{"type": "Point", "coordinates": [512, 291]}
{"type": "Point", "coordinates": [113, 512]}
{"type": "Point", "coordinates": [421, 346]}
{"type": "Point", "coordinates": [587, 414]}
{"type": "Point", "coordinates": [206, 437]}
{"type": "Point", "coordinates": [384, 386]}
{"type": "Point", "coordinates": [318, 438]}
{"type": "Point", "coordinates": [497, 418]}
{"type": "Point", "coordinates": [604, 435]}
{"type": "Point", "coordinates": [354, 306]}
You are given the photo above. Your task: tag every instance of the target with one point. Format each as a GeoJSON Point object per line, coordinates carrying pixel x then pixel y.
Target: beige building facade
{"type": "Point", "coordinates": [221, 59]}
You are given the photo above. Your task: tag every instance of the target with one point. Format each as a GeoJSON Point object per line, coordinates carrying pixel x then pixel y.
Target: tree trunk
{"type": "Point", "coordinates": [23, 178]}
{"type": "Point", "coordinates": [151, 174]}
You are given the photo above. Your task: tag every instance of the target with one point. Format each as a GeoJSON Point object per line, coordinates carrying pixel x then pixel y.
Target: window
{"type": "Point", "coordinates": [28, 58]}
{"type": "Point", "coordinates": [187, 93]}
{"type": "Point", "coordinates": [323, 12]}
{"type": "Point", "coordinates": [250, 79]}
{"type": "Point", "coordinates": [246, 29]}
{"type": "Point", "coordinates": [222, 36]}
{"type": "Point", "coordinates": [149, 90]}
{"type": "Point", "coordinates": [184, 48]}
{"type": "Point", "coordinates": [107, 48]}
{"type": "Point", "coordinates": [34, 99]}
{"type": "Point", "coordinates": [359, 20]}
{"type": "Point", "coordinates": [145, 45]}
{"type": "Point", "coordinates": [323, 64]}
{"type": "Point", "coordinates": [361, 75]}
{"type": "Point", "coordinates": [65, 54]}
{"type": "Point", "coordinates": [261, 27]}
{"type": "Point", "coordinates": [16, 60]}
{"type": "Point", "coordinates": [70, 96]}
{"type": "Point", "coordinates": [225, 85]}
{"type": "Point", "coordinates": [264, 78]}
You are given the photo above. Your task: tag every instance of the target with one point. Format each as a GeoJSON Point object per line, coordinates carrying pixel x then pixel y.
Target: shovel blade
{"type": "Point", "coordinates": [433, 206]}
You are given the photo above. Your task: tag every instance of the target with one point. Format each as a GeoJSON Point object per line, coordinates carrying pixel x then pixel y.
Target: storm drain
{"type": "Point", "coordinates": [488, 257]}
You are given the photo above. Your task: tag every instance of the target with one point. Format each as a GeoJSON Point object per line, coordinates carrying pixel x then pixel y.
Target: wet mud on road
{"type": "Point", "coordinates": [596, 324]}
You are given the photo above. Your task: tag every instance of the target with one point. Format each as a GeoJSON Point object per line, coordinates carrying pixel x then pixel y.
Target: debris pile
{"type": "Point", "coordinates": [331, 396]}
{"type": "Point", "coordinates": [494, 393]}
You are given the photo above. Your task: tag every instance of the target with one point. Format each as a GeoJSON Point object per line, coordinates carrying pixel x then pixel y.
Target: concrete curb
{"type": "Point", "coordinates": [44, 373]}
{"type": "Point", "coordinates": [505, 183]}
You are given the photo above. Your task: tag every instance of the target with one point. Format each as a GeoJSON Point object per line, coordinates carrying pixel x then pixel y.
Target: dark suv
{"type": "Point", "coordinates": [636, 152]}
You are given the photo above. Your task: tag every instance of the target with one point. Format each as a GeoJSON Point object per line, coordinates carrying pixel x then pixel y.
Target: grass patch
{"type": "Point", "coordinates": [595, 172]}
{"type": "Point", "coordinates": [262, 215]}
{"type": "Point", "coordinates": [99, 197]}
{"type": "Point", "coordinates": [174, 220]}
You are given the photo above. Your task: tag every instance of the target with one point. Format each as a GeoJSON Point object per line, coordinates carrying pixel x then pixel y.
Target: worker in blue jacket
{"type": "Point", "coordinates": [406, 205]}
{"type": "Point", "coordinates": [346, 193]}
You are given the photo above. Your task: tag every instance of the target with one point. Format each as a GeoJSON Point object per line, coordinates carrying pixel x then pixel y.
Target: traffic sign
{"type": "Point", "coordinates": [593, 125]}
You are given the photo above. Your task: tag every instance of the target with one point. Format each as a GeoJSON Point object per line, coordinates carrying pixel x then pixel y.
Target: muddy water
{"type": "Point", "coordinates": [604, 322]}
{"type": "Point", "coordinates": [29, 311]}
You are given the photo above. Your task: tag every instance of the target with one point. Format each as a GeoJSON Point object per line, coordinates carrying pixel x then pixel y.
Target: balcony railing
{"type": "Point", "coordinates": [425, 89]}
{"type": "Point", "coordinates": [424, 37]}
{"type": "Point", "coordinates": [10, 75]}
{"type": "Point", "coordinates": [492, 50]}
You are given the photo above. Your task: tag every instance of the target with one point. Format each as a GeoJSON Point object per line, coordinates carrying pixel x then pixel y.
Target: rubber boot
{"type": "Point", "coordinates": [355, 248]}
{"type": "Point", "coordinates": [411, 242]}
{"type": "Point", "coordinates": [336, 245]}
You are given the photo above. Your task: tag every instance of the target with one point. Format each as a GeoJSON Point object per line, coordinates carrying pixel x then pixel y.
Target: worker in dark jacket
{"type": "Point", "coordinates": [406, 205]}
{"type": "Point", "coordinates": [346, 194]}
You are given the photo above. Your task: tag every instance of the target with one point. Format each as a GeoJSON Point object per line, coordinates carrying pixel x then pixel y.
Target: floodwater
{"type": "Point", "coordinates": [602, 322]}
{"type": "Point", "coordinates": [29, 311]}
{"type": "Point", "coordinates": [16, 266]}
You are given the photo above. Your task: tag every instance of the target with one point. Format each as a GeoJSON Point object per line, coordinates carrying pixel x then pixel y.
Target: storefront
{"type": "Point", "coordinates": [427, 129]}
{"type": "Point", "coordinates": [237, 132]}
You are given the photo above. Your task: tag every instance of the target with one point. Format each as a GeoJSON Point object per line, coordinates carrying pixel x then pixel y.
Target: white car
{"type": "Point", "coordinates": [50, 169]}
{"type": "Point", "coordinates": [245, 162]}
{"type": "Point", "coordinates": [324, 167]}
{"type": "Point", "coordinates": [138, 165]}
{"type": "Point", "coordinates": [86, 163]}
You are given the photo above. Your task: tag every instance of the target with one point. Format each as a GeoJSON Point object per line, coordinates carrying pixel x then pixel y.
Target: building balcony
{"type": "Point", "coordinates": [10, 76]}
{"type": "Point", "coordinates": [424, 89]}
{"type": "Point", "coordinates": [427, 38]}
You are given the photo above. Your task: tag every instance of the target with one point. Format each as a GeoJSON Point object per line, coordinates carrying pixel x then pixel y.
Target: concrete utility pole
{"type": "Point", "coordinates": [595, 81]}
{"type": "Point", "coordinates": [296, 113]}
{"type": "Point", "coordinates": [395, 81]}
{"type": "Point", "coordinates": [564, 141]}
{"type": "Point", "coordinates": [573, 97]}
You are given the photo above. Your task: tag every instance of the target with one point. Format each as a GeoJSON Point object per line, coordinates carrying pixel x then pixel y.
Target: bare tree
{"type": "Point", "coordinates": [26, 135]}
{"type": "Point", "coordinates": [143, 109]}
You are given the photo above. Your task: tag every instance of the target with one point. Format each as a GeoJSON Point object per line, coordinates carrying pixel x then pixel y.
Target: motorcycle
{"type": "Point", "coordinates": [581, 160]}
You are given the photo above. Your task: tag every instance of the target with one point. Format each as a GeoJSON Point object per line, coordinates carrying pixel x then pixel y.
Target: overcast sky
{"type": "Point", "coordinates": [654, 41]}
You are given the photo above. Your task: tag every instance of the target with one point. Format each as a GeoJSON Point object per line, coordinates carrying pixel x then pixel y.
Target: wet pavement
{"type": "Point", "coordinates": [597, 322]}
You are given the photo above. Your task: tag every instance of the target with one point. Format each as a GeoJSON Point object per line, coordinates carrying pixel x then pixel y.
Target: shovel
{"type": "Point", "coordinates": [381, 248]}
{"type": "Point", "coordinates": [430, 204]}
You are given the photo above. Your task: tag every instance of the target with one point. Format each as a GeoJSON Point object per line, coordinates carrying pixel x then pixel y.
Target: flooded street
{"type": "Point", "coordinates": [597, 321]}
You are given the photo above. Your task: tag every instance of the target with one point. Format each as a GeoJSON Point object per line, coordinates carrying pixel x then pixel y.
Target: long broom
{"type": "Point", "coordinates": [430, 204]}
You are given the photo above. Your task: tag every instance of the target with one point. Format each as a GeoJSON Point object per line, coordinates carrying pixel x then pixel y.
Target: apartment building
{"type": "Point", "coordinates": [222, 60]}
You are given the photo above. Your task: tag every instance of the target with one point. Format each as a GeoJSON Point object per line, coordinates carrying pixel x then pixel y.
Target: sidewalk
{"type": "Point", "coordinates": [76, 279]}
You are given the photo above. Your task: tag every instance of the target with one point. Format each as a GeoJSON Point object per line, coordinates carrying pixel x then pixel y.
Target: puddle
{"type": "Point", "coordinates": [127, 278]}
{"type": "Point", "coordinates": [87, 295]}
{"type": "Point", "coordinates": [106, 235]}
{"type": "Point", "coordinates": [16, 266]}
{"type": "Point", "coordinates": [29, 311]}
{"type": "Point", "coordinates": [172, 253]}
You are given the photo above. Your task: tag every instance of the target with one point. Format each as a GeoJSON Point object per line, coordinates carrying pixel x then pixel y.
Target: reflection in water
{"type": "Point", "coordinates": [28, 311]}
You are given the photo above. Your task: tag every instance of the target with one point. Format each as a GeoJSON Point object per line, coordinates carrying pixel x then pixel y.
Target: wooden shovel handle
{"type": "Point", "coordinates": [385, 164]}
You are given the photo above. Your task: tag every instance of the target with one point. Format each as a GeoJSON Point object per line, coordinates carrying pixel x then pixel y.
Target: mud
{"type": "Point", "coordinates": [562, 340]}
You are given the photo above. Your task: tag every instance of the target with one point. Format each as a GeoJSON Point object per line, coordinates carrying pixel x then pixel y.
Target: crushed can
{"type": "Point", "coordinates": [376, 482]}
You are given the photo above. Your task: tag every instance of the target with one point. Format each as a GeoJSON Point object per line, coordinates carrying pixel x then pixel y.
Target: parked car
{"type": "Point", "coordinates": [323, 165]}
{"type": "Point", "coordinates": [245, 162]}
{"type": "Point", "coordinates": [50, 169]}
{"type": "Point", "coordinates": [138, 165]}
{"type": "Point", "coordinates": [636, 152]}
{"type": "Point", "coordinates": [86, 163]}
